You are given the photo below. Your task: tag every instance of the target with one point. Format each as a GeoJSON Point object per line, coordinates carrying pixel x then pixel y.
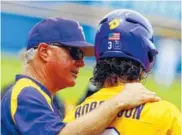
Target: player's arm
{"type": "Point", "coordinates": [94, 122]}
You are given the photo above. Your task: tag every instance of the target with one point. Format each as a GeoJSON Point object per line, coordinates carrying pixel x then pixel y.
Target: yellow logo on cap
{"type": "Point", "coordinates": [114, 23]}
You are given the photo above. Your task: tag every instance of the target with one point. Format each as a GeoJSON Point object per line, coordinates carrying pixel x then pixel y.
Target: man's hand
{"type": "Point", "coordinates": [134, 94]}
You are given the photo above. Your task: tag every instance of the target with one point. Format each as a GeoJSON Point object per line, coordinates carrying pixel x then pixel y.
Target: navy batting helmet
{"type": "Point", "coordinates": [126, 34]}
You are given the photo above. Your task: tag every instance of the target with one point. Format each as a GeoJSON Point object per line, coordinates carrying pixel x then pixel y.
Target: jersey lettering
{"type": "Point", "coordinates": [134, 113]}
{"type": "Point", "coordinates": [84, 109]}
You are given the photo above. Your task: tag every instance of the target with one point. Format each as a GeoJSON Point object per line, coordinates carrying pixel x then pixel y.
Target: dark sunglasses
{"type": "Point", "coordinates": [75, 52]}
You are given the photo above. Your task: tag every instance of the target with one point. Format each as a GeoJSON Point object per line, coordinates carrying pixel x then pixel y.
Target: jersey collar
{"type": "Point", "coordinates": [19, 76]}
{"type": "Point", "coordinates": [108, 92]}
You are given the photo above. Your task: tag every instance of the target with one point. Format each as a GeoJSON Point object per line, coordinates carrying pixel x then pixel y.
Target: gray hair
{"type": "Point", "coordinates": [27, 55]}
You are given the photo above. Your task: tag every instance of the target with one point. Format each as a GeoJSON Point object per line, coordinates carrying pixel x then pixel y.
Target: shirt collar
{"type": "Point", "coordinates": [19, 76]}
{"type": "Point", "coordinates": [115, 89]}
{"type": "Point", "coordinates": [108, 92]}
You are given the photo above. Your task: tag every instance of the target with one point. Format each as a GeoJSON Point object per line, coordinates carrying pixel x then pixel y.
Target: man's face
{"type": "Point", "coordinates": [62, 67]}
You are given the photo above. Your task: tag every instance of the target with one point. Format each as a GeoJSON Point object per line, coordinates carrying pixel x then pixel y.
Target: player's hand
{"type": "Point", "coordinates": [135, 94]}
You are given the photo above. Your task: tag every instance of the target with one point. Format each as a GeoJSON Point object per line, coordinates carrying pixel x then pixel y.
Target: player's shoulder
{"type": "Point", "coordinates": [163, 105]}
{"type": "Point", "coordinates": [29, 92]}
{"type": "Point", "coordinates": [162, 108]}
{"type": "Point", "coordinates": [19, 92]}
{"type": "Point", "coordinates": [26, 88]}
{"type": "Point", "coordinates": [159, 113]}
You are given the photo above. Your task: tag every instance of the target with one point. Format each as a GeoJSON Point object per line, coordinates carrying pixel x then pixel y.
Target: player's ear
{"type": "Point", "coordinates": [42, 51]}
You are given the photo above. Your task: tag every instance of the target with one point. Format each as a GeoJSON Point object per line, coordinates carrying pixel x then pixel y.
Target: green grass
{"type": "Point", "coordinates": [11, 66]}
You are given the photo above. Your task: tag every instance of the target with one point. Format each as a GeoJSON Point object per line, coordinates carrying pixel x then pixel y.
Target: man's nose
{"type": "Point", "coordinates": [80, 63]}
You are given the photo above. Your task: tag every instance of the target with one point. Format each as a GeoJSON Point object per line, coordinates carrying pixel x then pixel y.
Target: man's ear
{"type": "Point", "coordinates": [43, 51]}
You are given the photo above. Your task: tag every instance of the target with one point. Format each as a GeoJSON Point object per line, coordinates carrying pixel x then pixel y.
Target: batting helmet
{"type": "Point", "coordinates": [126, 34]}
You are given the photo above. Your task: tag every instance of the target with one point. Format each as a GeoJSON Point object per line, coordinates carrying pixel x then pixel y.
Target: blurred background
{"type": "Point", "coordinates": [17, 18]}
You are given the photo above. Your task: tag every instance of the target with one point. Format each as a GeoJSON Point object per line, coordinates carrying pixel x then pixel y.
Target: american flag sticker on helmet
{"type": "Point", "coordinates": [114, 36]}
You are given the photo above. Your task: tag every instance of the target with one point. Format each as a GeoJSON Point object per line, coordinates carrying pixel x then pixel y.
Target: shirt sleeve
{"type": "Point", "coordinates": [34, 116]}
{"type": "Point", "coordinates": [176, 121]}
{"type": "Point", "coordinates": [176, 126]}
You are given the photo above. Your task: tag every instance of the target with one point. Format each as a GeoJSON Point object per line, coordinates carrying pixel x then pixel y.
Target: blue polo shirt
{"type": "Point", "coordinates": [27, 109]}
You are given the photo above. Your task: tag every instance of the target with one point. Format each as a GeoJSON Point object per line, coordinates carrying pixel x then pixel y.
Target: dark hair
{"type": "Point", "coordinates": [112, 69]}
